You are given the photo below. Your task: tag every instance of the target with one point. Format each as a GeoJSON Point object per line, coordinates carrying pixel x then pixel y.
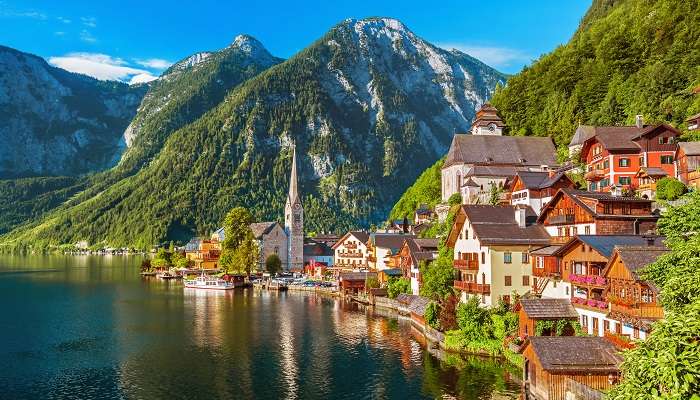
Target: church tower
{"type": "Point", "coordinates": [487, 121]}
{"type": "Point", "coordinates": [294, 221]}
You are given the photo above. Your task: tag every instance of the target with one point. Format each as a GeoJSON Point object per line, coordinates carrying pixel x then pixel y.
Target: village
{"type": "Point", "coordinates": [520, 234]}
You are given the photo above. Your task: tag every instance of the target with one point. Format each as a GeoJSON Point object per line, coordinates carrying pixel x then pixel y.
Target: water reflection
{"type": "Point", "coordinates": [92, 327]}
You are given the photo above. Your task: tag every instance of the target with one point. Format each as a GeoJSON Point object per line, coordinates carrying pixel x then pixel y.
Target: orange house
{"type": "Point", "coordinates": [688, 163]}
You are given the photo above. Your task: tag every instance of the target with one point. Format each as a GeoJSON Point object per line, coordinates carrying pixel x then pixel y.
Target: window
{"type": "Point", "coordinates": [666, 159]}
{"type": "Point", "coordinates": [583, 248]}
{"type": "Point", "coordinates": [606, 325]}
{"type": "Point", "coordinates": [584, 321]}
{"type": "Point", "coordinates": [526, 257]}
{"type": "Point", "coordinates": [507, 257]}
{"type": "Point", "coordinates": [587, 230]}
{"type": "Point", "coordinates": [540, 262]}
{"type": "Point", "coordinates": [606, 164]}
{"type": "Point", "coordinates": [483, 257]}
{"type": "Point", "coordinates": [508, 280]}
{"type": "Point", "coordinates": [636, 333]}
{"type": "Point", "coordinates": [526, 280]}
{"type": "Point", "coordinates": [624, 180]}
{"type": "Point", "coordinates": [567, 290]}
{"type": "Point", "coordinates": [624, 162]}
{"type": "Point", "coordinates": [661, 140]}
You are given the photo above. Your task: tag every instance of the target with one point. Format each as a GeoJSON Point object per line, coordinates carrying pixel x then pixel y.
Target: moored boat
{"type": "Point", "coordinates": [208, 282]}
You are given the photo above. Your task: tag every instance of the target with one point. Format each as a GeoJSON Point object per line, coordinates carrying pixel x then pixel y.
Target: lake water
{"type": "Point", "coordinates": [89, 327]}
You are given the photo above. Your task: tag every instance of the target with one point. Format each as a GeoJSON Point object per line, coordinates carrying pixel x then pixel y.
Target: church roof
{"type": "Point", "coordinates": [293, 196]}
{"type": "Point", "coordinates": [505, 150]}
{"type": "Point", "coordinates": [486, 115]}
{"type": "Point", "coordinates": [262, 228]}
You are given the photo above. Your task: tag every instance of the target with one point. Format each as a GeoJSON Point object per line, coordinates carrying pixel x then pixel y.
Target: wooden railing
{"type": "Point", "coordinates": [588, 280]}
{"type": "Point", "coordinates": [547, 271]}
{"type": "Point", "coordinates": [473, 287]}
{"type": "Point", "coordinates": [594, 175]}
{"type": "Point", "coordinates": [640, 310]}
{"type": "Point", "coordinates": [351, 255]}
{"type": "Point", "coordinates": [561, 219]}
{"type": "Point", "coordinates": [560, 239]}
{"type": "Point", "coordinates": [350, 245]}
{"type": "Point", "coordinates": [620, 341]}
{"type": "Point", "coordinates": [472, 265]}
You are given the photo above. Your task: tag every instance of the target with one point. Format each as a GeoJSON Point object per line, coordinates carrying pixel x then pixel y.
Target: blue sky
{"type": "Point", "coordinates": [127, 39]}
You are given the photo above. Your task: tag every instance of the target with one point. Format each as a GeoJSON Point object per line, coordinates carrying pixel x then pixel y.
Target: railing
{"type": "Point", "coordinates": [594, 175]}
{"type": "Point", "coordinates": [466, 264]}
{"type": "Point", "coordinates": [589, 280]}
{"type": "Point", "coordinates": [640, 310]}
{"type": "Point", "coordinates": [351, 255]}
{"type": "Point", "coordinates": [561, 219]}
{"type": "Point", "coordinates": [620, 341]}
{"type": "Point", "coordinates": [350, 245]}
{"type": "Point", "coordinates": [560, 239]}
{"type": "Point", "coordinates": [547, 271]}
{"type": "Point", "coordinates": [591, 304]}
{"type": "Point", "coordinates": [473, 287]}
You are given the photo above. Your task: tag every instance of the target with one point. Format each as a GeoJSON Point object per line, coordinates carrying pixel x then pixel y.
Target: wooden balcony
{"type": "Point", "coordinates": [470, 265]}
{"type": "Point", "coordinates": [564, 219]}
{"type": "Point", "coordinates": [351, 255]}
{"type": "Point", "coordinates": [588, 280]}
{"type": "Point", "coordinates": [549, 270]}
{"type": "Point", "coordinates": [350, 245]}
{"type": "Point", "coordinates": [594, 175]}
{"type": "Point", "coordinates": [472, 287]}
{"type": "Point", "coordinates": [639, 310]}
{"type": "Point", "coordinates": [560, 239]}
{"type": "Point", "coordinates": [591, 304]}
{"type": "Point", "coordinates": [620, 341]}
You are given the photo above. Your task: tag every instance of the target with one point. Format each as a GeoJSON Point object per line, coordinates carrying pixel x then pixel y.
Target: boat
{"type": "Point", "coordinates": [166, 275]}
{"type": "Point", "coordinates": [277, 285]}
{"type": "Point", "coordinates": [208, 282]}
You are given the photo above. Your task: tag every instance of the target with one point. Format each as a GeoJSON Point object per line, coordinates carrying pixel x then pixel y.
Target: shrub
{"type": "Point", "coordinates": [669, 189]}
{"type": "Point", "coordinates": [398, 286]}
{"type": "Point", "coordinates": [432, 312]}
{"type": "Point", "coordinates": [455, 199]}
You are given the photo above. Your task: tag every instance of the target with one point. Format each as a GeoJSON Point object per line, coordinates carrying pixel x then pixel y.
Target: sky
{"type": "Point", "coordinates": [135, 41]}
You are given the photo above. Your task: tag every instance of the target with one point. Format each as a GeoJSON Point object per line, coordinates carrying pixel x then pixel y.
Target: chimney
{"type": "Point", "coordinates": [520, 216]}
{"type": "Point", "coordinates": [640, 121]}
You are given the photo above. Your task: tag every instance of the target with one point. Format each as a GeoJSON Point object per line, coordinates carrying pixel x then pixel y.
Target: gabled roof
{"type": "Point", "coordinates": [545, 251]}
{"type": "Point", "coordinates": [619, 138]}
{"type": "Point", "coordinates": [635, 258]}
{"type": "Point", "coordinates": [392, 241]}
{"type": "Point", "coordinates": [392, 272]}
{"type": "Point", "coordinates": [693, 117]}
{"type": "Point", "coordinates": [651, 171]}
{"type": "Point", "coordinates": [579, 195]}
{"type": "Point", "coordinates": [508, 150]}
{"type": "Point", "coordinates": [486, 115]}
{"type": "Point", "coordinates": [361, 236]}
{"type": "Point", "coordinates": [262, 228]}
{"type": "Point", "coordinates": [421, 249]}
{"type": "Point", "coordinates": [583, 133]}
{"type": "Point", "coordinates": [690, 148]}
{"type": "Point", "coordinates": [357, 276]}
{"type": "Point", "coordinates": [317, 249]}
{"type": "Point", "coordinates": [575, 354]}
{"type": "Point", "coordinates": [548, 309]}
{"type": "Point", "coordinates": [540, 179]}
{"type": "Point", "coordinates": [494, 225]}
{"type": "Point", "coordinates": [605, 244]}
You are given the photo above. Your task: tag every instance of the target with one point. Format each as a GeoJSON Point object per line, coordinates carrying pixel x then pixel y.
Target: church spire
{"type": "Point", "coordinates": [293, 193]}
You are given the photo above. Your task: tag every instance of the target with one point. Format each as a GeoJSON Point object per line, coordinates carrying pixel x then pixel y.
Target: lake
{"type": "Point", "coordinates": [90, 327]}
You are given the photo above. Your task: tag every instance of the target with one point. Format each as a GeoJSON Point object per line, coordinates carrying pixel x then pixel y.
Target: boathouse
{"type": "Point", "coordinates": [534, 311]}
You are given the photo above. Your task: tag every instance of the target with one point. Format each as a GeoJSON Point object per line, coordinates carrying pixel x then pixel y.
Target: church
{"type": "Point", "coordinates": [286, 241]}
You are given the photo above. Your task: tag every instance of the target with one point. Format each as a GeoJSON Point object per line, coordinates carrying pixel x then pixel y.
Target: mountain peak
{"type": "Point", "coordinates": [248, 44]}
{"type": "Point", "coordinates": [377, 22]}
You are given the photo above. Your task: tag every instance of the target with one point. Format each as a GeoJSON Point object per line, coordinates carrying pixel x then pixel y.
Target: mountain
{"type": "Point", "coordinates": [56, 122]}
{"type": "Point", "coordinates": [368, 106]}
{"type": "Point", "coordinates": [626, 58]}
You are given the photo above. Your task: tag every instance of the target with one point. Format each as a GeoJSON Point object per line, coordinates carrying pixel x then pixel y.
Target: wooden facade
{"type": "Point", "coordinates": [688, 164]}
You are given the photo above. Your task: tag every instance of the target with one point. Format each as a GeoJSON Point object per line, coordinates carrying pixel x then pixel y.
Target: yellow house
{"type": "Point", "coordinates": [491, 251]}
{"type": "Point", "coordinates": [204, 253]}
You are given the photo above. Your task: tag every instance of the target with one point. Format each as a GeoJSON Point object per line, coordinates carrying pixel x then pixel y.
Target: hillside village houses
{"type": "Point", "coordinates": [412, 253]}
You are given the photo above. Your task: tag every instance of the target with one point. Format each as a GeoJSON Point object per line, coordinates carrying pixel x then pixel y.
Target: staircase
{"type": "Point", "coordinates": [539, 285]}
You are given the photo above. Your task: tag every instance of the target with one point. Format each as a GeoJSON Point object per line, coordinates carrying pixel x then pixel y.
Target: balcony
{"type": "Point", "coordinates": [471, 265]}
{"type": "Point", "coordinates": [351, 255]}
{"type": "Point", "coordinates": [590, 304]}
{"type": "Point", "coordinates": [638, 310]}
{"type": "Point", "coordinates": [620, 341]}
{"type": "Point", "coordinates": [588, 280]}
{"type": "Point", "coordinates": [594, 175]}
{"type": "Point", "coordinates": [473, 287]}
{"type": "Point", "coordinates": [548, 271]}
{"type": "Point", "coordinates": [350, 245]}
{"type": "Point", "coordinates": [561, 219]}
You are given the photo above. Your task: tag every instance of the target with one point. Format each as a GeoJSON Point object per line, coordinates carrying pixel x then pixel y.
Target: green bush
{"type": "Point", "coordinates": [670, 189]}
{"type": "Point", "coordinates": [397, 286]}
{"type": "Point", "coordinates": [455, 199]}
{"type": "Point", "coordinates": [432, 315]}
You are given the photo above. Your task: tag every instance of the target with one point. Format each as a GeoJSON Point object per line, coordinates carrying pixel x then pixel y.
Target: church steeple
{"type": "Point", "coordinates": [293, 196]}
{"type": "Point", "coordinates": [294, 221]}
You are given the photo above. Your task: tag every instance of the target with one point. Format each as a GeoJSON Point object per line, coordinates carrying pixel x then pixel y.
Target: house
{"type": "Point", "coordinates": [272, 239]}
{"type": "Point", "coordinates": [647, 178]}
{"type": "Point", "coordinates": [204, 253]}
{"type": "Point", "coordinates": [423, 214]}
{"type": "Point", "coordinates": [532, 310]}
{"type": "Point", "coordinates": [317, 252]}
{"type": "Point", "coordinates": [483, 160]}
{"type": "Point", "coordinates": [351, 251]}
{"type": "Point", "coordinates": [555, 365]}
{"type": "Point", "coordinates": [575, 212]}
{"type": "Point", "coordinates": [491, 251]}
{"type": "Point", "coordinates": [693, 122]}
{"type": "Point", "coordinates": [633, 302]}
{"type": "Point", "coordinates": [326, 238]}
{"type": "Point", "coordinates": [387, 274]}
{"type": "Point", "coordinates": [583, 260]}
{"type": "Point", "coordinates": [399, 226]}
{"type": "Point", "coordinates": [412, 253]}
{"type": "Point", "coordinates": [614, 154]}
{"type": "Point", "coordinates": [688, 164]}
{"type": "Point", "coordinates": [546, 273]}
{"type": "Point", "coordinates": [381, 247]}
{"type": "Point", "coordinates": [536, 188]}
{"type": "Point", "coordinates": [353, 283]}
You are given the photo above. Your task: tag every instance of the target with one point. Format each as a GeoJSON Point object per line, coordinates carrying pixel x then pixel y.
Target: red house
{"type": "Point", "coordinates": [614, 154]}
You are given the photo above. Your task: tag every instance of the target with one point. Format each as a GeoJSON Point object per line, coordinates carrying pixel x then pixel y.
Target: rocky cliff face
{"type": "Point", "coordinates": [369, 106]}
{"type": "Point", "coordinates": [59, 123]}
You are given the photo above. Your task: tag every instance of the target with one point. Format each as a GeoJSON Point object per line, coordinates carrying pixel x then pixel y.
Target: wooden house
{"type": "Point", "coordinates": [531, 311]}
{"type": "Point", "coordinates": [351, 252]}
{"type": "Point", "coordinates": [552, 363]}
{"type": "Point", "coordinates": [536, 188]}
{"type": "Point", "coordinates": [385, 275]}
{"type": "Point", "coordinates": [694, 121]}
{"type": "Point", "coordinates": [412, 253]}
{"type": "Point", "coordinates": [633, 302]}
{"type": "Point", "coordinates": [353, 283]}
{"type": "Point", "coordinates": [546, 272]}
{"type": "Point", "coordinates": [688, 164]}
{"type": "Point", "coordinates": [576, 212]}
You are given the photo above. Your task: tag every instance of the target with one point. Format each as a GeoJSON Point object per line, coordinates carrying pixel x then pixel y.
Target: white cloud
{"type": "Point", "coordinates": [89, 21]}
{"type": "Point", "coordinates": [157, 63]}
{"type": "Point", "coordinates": [86, 36]}
{"type": "Point", "coordinates": [23, 14]}
{"type": "Point", "coordinates": [101, 66]}
{"type": "Point", "coordinates": [142, 78]}
{"type": "Point", "coordinates": [493, 56]}
{"type": "Point", "coordinates": [59, 33]}
{"type": "Point", "coordinates": [64, 20]}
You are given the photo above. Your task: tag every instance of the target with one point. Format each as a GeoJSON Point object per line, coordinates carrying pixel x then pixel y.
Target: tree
{"type": "Point", "coordinates": [239, 251]}
{"type": "Point", "coordinates": [456, 198]}
{"type": "Point", "coordinates": [397, 286]}
{"type": "Point", "coordinates": [371, 283]}
{"type": "Point", "coordinates": [669, 189]}
{"type": "Point", "coordinates": [162, 259]}
{"type": "Point", "coordinates": [438, 276]}
{"type": "Point", "coordinates": [273, 264]}
{"type": "Point", "coordinates": [179, 260]}
{"type": "Point", "coordinates": [667, 364]}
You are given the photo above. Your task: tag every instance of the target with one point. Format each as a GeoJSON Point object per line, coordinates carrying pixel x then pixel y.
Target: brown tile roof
{"type": "Point", "coordinates": [508, 150]}
{"type": "Point", "coordinates": [357, 276]}
{"type": "Point", "coordinates": [497, 225]}
{"type": "Point", "coordinates": [548, 309]}
{"type": "Point", "coordinates": [583, 133]}
{"type": "Point", "coordinates": [262, 228]}
{"type": "Point", "coordinates": [617, 138]}
{"type": "Point", "coordinates": [489, 171]}
{"type": "Point", "coordinates": [575, 354]}
{"type": "Point", "coordinates": [637, 257]}
{"type": "Point", "coordinates": [690, 148]}
{"type": "Point", "coordinates": [392, 241]}
{"type": "Point", "coordinates": [546, 250]}
{"type": "Point", "coordinates": [426, 243]}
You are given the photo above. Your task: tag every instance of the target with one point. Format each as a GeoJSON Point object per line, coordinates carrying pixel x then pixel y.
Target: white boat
{"type": "Point", "coordinates": [208, 282]}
